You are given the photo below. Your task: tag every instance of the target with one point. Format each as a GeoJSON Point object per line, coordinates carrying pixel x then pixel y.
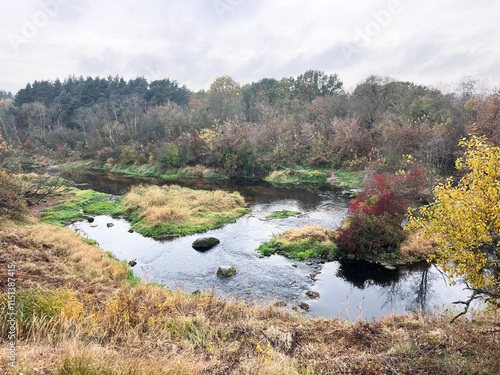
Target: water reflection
{"type": "Point", "coordinates": [364, 274]}
{"type": "Point", "coordinates": [373, 292]}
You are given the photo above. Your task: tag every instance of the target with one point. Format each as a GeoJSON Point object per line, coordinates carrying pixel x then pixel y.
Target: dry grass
{"type": "Point", "coordinates": [196, 171]}
{"type": "Point", "coordinates": [172, 209]}
{"type": "Point", "coordinates": [50, 255]}
{"type": "Point", "coordinates": [415, 247]}
{"type": "Point", "coordinates": [309, 232]}
{"type": "Point", "coordinates": [81, 317]}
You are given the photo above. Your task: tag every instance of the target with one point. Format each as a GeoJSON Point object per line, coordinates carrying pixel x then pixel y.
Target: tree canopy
{"type": "Point", "coordinates": [464, 219]}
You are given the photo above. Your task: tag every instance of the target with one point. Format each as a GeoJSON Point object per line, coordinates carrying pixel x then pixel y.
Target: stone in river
{"type": "Point", "coordinates": [205, 243]}
{"type": "Point", "coordinates": [226, 271]}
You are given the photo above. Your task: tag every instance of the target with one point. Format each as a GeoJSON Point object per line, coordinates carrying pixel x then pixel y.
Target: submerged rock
{"type": "Point", "coordinates": [205, 243]}
{"type": "Point", "coordinates": [312, 295]}
{"type": "Point", "coordinates": [302, 305]}
{"type": "Point", "coordinates": [109, 225]}
{"type": "Point", "coordinates": [226, 271]}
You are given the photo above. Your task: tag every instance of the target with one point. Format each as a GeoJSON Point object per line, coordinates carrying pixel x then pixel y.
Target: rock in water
{"type": "Point", "coordinates": [53, 169]}
{"type": "Point", "coordinates": [205, 243]}
{"type": "Point", "coordinates": [312, 295]}
{"type": "Point", "coordinates": [226, 271]}
{"type": "Point", "coordinates": [304, 306]}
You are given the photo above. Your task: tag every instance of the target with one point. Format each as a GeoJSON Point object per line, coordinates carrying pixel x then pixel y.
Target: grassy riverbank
{"type": "Point", "coordinates": [145, 170]}
{"type": "Point", "coordinates": [318, 242]}
{"type": "Point", "coordinates": [306, 242]}
{"type": "Point", "coordinates": [153, 210]}
{"type": "Point", "coordinates": [74, 203]}
{"type": "Point", "coordinates": [78, 313]}
{"type": "Point", "coordinates": [339, 177]}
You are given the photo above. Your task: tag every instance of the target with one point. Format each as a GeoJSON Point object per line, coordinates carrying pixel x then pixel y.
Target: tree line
{"type": "Point", "coordinates": [248, 130]}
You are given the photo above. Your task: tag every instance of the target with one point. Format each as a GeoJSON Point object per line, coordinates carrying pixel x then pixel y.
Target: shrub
{"type": "Point", "coordinates": [129, 155]}
{"type": "Point", "coordinates": [372, 227]}
{"type": "Point", "coordinates": [11, 200]}
{"type": "Point", "coordinates": [170, 155]}
{"type": "Point", "coordinates": [369, 235]}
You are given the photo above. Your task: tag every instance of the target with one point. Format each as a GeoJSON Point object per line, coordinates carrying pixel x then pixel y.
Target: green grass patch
{"type": "Point", "coordinates": [350, 179]}
{"type": "Point", "coordinates": [145, 170]}
{"type": "Point", "coordinates": [299, 250]}
{"type": "Point", "coordinates": [283, 214]}
{"type": "Point", "coordinates": [103, 208]}
{"type": "Point", "coordinates": [293, 176]}
{"type": "Point", "coordinates": [302, 243]}
{"type": "Point", "coordinates": [70, 211]}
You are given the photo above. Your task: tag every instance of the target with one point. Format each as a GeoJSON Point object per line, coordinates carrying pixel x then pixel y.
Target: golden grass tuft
{"type": "Point", "coordinates": [416, 247]}
{"type": "Point", "coordinates": [314, 233]}
{"type": "Point", "coordinates": [87, 258]}
{"type": "Point", "coordinates": [55, 256]}
{"type": "Point", "coordinates": [175, 208]}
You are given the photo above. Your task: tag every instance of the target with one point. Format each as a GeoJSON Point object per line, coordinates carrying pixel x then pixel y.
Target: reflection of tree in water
{"type": "Point", "coordinates": [363, 274]}
{"type": "Point", "coordinates": [414, 288]}
{"type": "Point", "coordinates": [410, 286]}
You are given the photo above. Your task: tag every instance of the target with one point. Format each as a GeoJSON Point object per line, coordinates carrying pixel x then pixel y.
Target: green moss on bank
{"type": "Point", "coordinates": [104, 208]}
{"type": "Point", "coordinates": [71, 210]}
{"type": "Point", "coordinates": [283, 214]}
{"type": "Point", "coordinates": [349, 179]}
{"type": "Point", "coordinates": [302, 243]}
{"type": "Point", "coordinates": [292, 176]}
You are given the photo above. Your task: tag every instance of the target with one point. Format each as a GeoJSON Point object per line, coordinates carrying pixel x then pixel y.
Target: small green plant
{"type": "Point", "coordinates": [302, 243]}
{"type": "Point", "coordinates": [283, 214]}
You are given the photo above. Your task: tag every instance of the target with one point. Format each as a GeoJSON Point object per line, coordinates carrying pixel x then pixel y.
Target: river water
{"type": "Point", "coordinates": [348, 290]}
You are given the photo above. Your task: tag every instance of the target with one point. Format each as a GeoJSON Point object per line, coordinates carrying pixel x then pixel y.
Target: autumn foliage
{"type": "Point", "coordinates": [465, 220]}
{"type": "Point", "coordinates": [373, 225]}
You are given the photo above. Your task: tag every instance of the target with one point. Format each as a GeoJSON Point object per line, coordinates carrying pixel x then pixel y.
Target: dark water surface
{"type": "Point", "coordinates": [347, 289]}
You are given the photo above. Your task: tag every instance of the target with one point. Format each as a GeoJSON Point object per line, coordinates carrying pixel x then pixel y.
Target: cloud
{"type": "Point", "coordinates": [194, 42]}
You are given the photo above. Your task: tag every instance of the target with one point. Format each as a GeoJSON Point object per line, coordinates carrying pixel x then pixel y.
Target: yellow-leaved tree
{"type": "Point", "coordinates": [464, 219]}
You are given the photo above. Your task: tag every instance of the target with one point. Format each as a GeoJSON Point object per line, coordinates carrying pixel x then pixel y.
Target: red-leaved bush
{"type": "Point", "coordinates": [372, 227]}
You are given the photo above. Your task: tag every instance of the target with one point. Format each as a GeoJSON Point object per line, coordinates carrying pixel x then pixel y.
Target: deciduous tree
{"type": "Point", "coordinates": [465, 221]}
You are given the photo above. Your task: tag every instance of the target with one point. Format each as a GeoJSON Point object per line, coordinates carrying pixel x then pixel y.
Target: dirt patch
{"type": "Point", "coordinates": [35, 210]}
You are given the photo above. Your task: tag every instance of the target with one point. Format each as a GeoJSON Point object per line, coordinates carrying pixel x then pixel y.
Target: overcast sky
{"type": "Point", "coordinates": [195, 41]}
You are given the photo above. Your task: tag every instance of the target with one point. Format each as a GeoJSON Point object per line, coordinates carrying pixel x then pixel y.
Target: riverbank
{"type": "Point", "coordinates": [152, 210]}
{"type": "Point", "coordinates": [350, 181]}
{"type": "Point", "coordinates": [320, 243]}
{"type": "Point", "coordinates": [80, 312]}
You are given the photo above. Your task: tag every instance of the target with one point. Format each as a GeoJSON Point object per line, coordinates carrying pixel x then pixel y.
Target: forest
{"type": "Point", "coordinates": [248, 130]}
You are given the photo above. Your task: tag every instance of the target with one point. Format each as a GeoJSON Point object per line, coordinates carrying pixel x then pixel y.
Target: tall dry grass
{"type": "Point", "coordinates": [77, 316]}
{"type": "Point", "coordinates": [309, 232]}
{"type": "Point", "coordinates": [415, 247]}
{"type": "Point", "coordinates": [176, 207]}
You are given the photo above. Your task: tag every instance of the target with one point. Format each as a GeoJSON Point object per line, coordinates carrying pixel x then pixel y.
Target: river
{"type": "Point", "coordinates": [347, 289]}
